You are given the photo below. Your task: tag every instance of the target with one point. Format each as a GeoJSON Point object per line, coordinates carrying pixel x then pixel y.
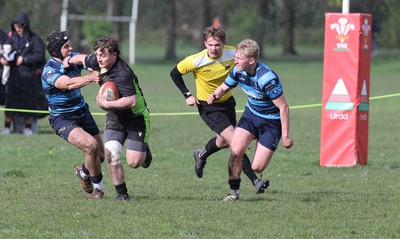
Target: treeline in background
{"type": "Point", "coordinates": [288, 25]}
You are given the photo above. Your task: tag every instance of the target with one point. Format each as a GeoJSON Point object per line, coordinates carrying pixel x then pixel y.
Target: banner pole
{"type": "Point", "coordinates": [346, 6]}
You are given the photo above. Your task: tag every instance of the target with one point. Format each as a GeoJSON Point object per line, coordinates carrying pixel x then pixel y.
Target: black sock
{"type": "Point", "coordinates": [121, 189]}
{"type": "Point", "coordinates": [246, 167]}
{"type": "Point", "coordinates": [7, 124]}
{"type": "Point", "coordinates": [234, 184]}
{"type": "Point", "coordinates": [148, 152]}
{"type": "Point", "coordinates": [209, 148]}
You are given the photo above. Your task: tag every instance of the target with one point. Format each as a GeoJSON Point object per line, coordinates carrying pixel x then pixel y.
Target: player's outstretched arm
{"type": "Point", "coordinates": [218, 93]}
{"type": "Point", "coordinates": [77, 59]}
{"type": "Point", "coordinates": [66, 83]}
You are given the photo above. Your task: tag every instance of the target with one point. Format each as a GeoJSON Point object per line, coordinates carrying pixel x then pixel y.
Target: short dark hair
{"type": "Point", "coordinates": [107, 42]}
{"type": "Point", "coordinates": [216, 32]}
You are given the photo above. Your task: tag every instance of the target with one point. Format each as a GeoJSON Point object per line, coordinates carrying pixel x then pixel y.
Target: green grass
{"type": "Point", "coordinates": [41, 197]}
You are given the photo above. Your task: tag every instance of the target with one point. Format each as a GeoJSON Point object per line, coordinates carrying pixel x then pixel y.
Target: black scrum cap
{"type": "Point", "coordinates": [54, 42]}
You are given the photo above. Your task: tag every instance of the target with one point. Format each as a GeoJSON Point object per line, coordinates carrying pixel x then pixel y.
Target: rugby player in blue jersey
{"type": "Point", "coordinates": [266, 115]}
{"type": "Point", "coordinates": [69, 115]}
{"type": "Point", "coordinates": [210, 67]}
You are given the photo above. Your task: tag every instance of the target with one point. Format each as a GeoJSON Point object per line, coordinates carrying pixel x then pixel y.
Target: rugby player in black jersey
{"type": "Point", "coordinates": [127, 119]}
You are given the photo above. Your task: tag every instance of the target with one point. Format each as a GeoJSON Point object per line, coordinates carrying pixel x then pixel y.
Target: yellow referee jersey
{"type": "Point", "coordinates": [209, 73]}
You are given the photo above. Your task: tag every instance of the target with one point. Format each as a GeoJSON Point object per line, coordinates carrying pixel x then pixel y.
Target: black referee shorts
{"type": "Point", "coordinates": [218, 116]}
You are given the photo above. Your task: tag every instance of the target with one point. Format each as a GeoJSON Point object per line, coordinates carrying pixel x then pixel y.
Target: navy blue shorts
{"type": "Point", "coordinates": [268, 132]}
{"type": "Point", "coordinates": [63, 124]}
{"type": "Point", "coordinates": [218, 116]}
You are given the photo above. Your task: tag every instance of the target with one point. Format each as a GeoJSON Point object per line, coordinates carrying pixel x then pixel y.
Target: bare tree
{"type": "Point", "coordinates": [289, 24]}
{"type": "Point", "coordinates": [116, 8]}
{"type": "Point", "coordinates": [119, 11]}
{"type": "Point", "coordinates": [207, 17]}
{"type": "Point", "coordinates": [171, 38]}
{"type": "Point", "coordinates": [261, 25]}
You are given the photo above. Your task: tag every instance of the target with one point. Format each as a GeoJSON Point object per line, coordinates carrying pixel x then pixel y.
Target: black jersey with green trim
{"type": "Point", "coordinates": [126, 81]}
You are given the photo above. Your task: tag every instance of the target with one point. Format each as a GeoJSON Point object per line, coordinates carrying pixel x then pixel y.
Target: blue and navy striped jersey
{"type": "Point", "coordinates": [261, 88]}
{"type": "Point", "coordinates": [61, 101]}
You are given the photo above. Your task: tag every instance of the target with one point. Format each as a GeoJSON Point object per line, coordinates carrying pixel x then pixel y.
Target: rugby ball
{"type": "Point", "coordinates": [109, 91]}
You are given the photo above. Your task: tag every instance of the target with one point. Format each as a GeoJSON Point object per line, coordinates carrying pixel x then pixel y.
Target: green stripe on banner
{"type": "Point", "coordinates": [339, 106]}
{"type": "Point", "coordinates": [363, 107]}
{"type": "Point", "coordinates": [196, 113]}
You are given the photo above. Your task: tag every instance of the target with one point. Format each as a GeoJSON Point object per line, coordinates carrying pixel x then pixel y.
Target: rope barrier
{"type": "Point", "coordinates": [192, 113]}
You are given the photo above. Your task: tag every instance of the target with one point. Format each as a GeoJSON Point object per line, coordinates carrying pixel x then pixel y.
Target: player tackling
{"type": "Point", "coordinates": [127, 118]}
{"type": "Point", "coordinates": [69, 115]}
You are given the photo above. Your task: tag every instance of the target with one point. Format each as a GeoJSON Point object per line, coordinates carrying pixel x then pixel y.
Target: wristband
{"type": "Point", "coordinates": [187, 94]}
{"type": "Point", "coordinates": [69, 60]}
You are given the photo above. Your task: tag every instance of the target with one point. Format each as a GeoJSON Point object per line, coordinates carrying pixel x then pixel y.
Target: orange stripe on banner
{"type": "Point", "coordinates": [339, 98]}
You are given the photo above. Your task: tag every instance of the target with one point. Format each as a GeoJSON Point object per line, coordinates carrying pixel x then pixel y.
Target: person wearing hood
{"type": "Point", "coordinates": [26, 61]}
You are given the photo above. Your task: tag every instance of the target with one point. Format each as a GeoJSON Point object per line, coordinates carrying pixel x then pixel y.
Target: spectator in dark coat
{"type": "Point", "coordinates": [3, 36]}
{"type": "Point", "coordinates": [23, 86]}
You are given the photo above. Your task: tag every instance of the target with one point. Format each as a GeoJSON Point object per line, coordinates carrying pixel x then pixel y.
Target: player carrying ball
{"type": "Point", "coordinates": [127, 118]}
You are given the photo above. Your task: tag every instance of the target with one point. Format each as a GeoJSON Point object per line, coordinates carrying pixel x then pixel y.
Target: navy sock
{"type": "Point", "coordinates": [85, 170]}
{"type": "Point", "coordinates": [97, 179]}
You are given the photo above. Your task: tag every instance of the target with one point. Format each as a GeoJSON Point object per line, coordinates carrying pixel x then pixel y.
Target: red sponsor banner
{"type": "Point", "coordinates": [345, 93]}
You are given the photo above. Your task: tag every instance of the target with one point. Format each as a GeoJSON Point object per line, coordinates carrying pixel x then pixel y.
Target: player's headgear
{"type": "Point", "coordinates": [54, 42]}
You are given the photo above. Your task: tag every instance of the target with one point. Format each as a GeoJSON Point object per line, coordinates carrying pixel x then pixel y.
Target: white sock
{"type": "Point", "coordinates": [84, 175]}
{"type": "Point", "coordinates": [99, 186]}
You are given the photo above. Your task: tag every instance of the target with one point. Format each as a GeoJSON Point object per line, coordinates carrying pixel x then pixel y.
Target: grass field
{"type": "Point", "coordinates": [42, 198]}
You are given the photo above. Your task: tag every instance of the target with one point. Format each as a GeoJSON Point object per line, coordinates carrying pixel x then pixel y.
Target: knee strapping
{"type": "Point", "coordinates": [114, 147]}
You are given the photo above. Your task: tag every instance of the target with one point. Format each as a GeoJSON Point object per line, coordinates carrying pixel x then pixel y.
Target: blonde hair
{"type": "Point", "coordinates": [249, 48]}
